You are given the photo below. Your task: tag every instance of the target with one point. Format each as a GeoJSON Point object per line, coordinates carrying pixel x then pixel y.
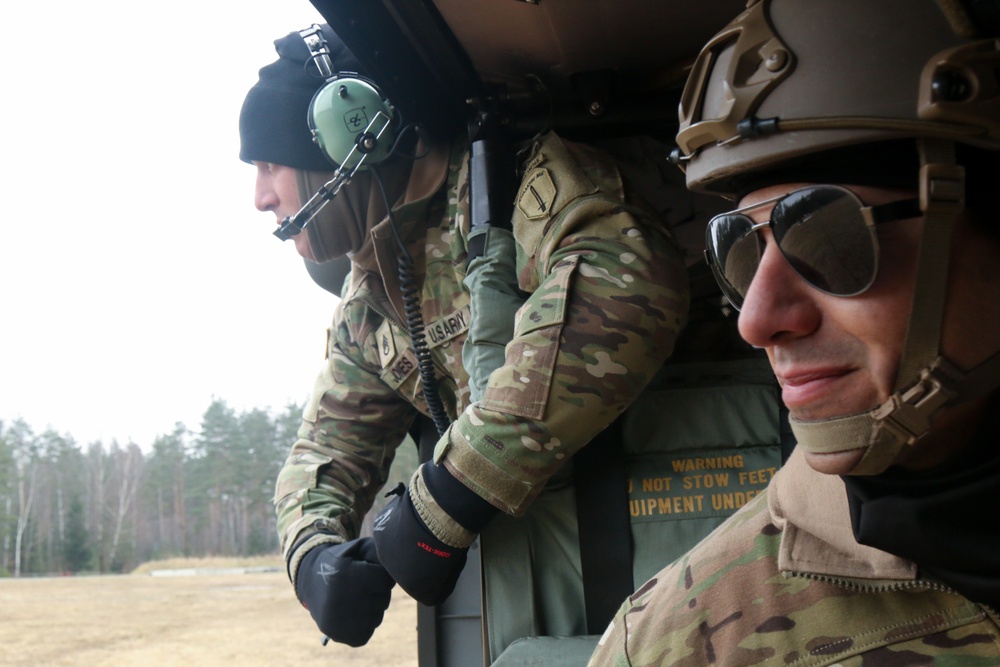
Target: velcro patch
{"type": "Point", "coordinates": [386, 344]}
{"type": "Point", "coordinates": [537, 195]}
{"type": "Point", "coordinates": [400, 369]}
{"type": "Point", "coordinates": [451, 325]}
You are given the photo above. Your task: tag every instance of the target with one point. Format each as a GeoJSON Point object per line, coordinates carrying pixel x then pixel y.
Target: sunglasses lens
{"type": "Point", "coordinates": [823, 235]}
{"type": "Point", "coordinates": [821, 231]}
{"type": "Point", "coordinates": [734, 253]}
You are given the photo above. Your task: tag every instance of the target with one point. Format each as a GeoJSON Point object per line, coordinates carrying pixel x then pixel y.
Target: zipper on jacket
{"type": "Point", "coordinates": [378, 310]}
{"type": "Point", "coordinates": [868, 586]}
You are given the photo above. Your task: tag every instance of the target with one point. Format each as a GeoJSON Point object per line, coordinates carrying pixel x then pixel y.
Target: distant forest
{"type": "Point", "coordinates": [108, 507]}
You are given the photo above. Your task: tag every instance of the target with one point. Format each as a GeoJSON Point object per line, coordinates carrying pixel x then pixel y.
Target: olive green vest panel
{"type": "Point", "coordinates": [549, 651]}
{"type": "Point", "coordinates": [697, 449]}
{"type": "Point", "coordinates": [697, 445]}
{"type": "Point", "coordinates": [532, 579]}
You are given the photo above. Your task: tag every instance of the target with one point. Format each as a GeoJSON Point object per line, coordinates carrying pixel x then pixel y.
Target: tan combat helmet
{"type": "Point", "coordinates": [789, 79]}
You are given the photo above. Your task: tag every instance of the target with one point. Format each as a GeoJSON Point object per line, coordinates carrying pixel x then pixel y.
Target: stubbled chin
{"type": "Point", "coordinates": [303, 247]}
{"type": "Point", "coordinates": [839, 463]}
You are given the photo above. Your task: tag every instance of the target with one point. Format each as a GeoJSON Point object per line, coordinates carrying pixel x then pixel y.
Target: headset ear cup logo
{"type": "Point", "coordinates": [356, 120]}
{"type": "Point", "coordinates": [346, 107]}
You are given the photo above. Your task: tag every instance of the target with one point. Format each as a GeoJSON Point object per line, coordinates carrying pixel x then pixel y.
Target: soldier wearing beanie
{"type": "Point", "coordinates": [275, 137]}
{"type": "Point", "coordinates": [604, 295]}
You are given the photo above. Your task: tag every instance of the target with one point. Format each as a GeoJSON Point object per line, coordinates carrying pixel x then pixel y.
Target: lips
{"type": "Point", "coordinates": [807, 390]}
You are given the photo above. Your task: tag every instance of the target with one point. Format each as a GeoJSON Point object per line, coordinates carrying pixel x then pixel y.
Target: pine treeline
{"type": "Point", "coordinates": [108, 508]}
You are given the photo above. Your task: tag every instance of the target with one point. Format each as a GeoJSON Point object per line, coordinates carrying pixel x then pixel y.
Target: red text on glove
{"type": "Point", "coordinates": [437, 552]}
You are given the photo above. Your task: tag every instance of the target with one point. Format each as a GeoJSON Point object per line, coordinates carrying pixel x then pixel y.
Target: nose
{"type": "Point", "coordinates": [264, 197]}
{"type": "Point", "coordinates": [779, 305]}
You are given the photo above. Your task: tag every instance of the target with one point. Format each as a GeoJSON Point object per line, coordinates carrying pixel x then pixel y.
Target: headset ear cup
{"type": "Point", "coordinates": [351, 120]}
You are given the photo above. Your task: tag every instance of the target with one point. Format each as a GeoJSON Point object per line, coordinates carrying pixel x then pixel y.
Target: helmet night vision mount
{"type": "Point", "coordinates": [350, 120]}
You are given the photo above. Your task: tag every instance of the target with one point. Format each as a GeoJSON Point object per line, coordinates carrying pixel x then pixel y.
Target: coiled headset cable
{"type": "Point", "coordinates": [414, 317]}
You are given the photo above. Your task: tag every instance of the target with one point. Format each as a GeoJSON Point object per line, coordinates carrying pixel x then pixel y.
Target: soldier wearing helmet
{"type": "Point", "coordinates": [861, 143]}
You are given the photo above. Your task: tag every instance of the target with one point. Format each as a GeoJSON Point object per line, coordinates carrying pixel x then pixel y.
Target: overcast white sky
{"type": "Point", "coordinates": [137, 281]}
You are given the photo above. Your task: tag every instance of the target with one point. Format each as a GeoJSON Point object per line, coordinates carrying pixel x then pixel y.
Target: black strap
{"type": "Point", "coordinates": [605, 532]}
{"type": "Point", "coordinates": [425, 435]}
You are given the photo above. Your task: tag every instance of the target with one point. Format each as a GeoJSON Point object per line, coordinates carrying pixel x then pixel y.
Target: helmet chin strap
{"type": "Point", "coordinates": [926, 380]}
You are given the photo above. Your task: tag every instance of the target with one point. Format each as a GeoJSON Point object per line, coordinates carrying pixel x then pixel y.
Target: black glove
{"type": "Point", "coordinates": [423, 565]}
{"type": "Point", "coordinates": [345, 589]}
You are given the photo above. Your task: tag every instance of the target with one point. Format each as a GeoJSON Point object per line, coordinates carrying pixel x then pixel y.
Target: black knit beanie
{"type": "Point", "coordinates": [273, 121]}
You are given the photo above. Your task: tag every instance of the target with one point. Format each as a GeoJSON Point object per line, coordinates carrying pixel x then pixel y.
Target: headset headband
{"type": "Point", "coordinates": [319, 52]}
{"type": "Point", "coordinates": [350, 119]}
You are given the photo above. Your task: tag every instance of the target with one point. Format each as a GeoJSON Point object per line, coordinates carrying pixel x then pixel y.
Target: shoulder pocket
{"type": "Point", "coordinates": [522, 386]}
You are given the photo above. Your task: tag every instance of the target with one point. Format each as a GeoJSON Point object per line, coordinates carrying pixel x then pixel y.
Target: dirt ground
{"type": "Point", "coordinates": [196, 620]}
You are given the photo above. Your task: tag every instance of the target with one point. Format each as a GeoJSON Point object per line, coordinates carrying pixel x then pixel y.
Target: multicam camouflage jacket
{"type": "Point", "coordinates": [607, 298]}
{"type": "Point", "coordinates": [783, 582]}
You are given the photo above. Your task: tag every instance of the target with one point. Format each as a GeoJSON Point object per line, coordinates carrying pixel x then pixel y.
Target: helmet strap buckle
{"type": "Point", "coordinates": [908, 413]}
{"type": "Point", "coordinates": [942, 188]}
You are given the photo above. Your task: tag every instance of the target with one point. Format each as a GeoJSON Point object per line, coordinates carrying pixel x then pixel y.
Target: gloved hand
{"type": "Point", "coordinates": [425, 564]}
{"type": "Point", "coordinates": [345, 589]}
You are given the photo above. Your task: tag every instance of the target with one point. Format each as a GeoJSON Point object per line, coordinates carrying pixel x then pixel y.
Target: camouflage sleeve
{"type": "Point", "coordinates": [608, 299]}
{"type": "Point", "coordinates": [663, 622]}
{"type": "Point", "coordinates": [346, 443]}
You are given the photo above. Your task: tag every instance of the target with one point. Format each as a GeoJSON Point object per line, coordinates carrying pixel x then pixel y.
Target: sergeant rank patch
{"type": "Point", "coordinates": [386, 343]}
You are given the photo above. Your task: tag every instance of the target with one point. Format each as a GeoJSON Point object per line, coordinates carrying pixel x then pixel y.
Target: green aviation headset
{"type": "Point", "coordinates": [350, 119]}
{"type": "Point", "coordinates": [352, 123]}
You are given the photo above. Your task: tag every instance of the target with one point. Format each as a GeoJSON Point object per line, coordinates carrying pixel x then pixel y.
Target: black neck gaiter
{"type": "Point", "coordinates": [941, 519]}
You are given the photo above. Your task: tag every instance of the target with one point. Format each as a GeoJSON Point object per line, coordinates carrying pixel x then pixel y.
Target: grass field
{"type": "Point", "coordinates": [191, 620]}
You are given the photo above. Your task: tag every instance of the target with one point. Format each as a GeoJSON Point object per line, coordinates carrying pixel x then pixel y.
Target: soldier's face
{"type": "Point", "coordinates": [836, 356]}
{"type": "Point", "coordinates": [276, 192]}
{"type": "Point", "coordinates": [833, 356]}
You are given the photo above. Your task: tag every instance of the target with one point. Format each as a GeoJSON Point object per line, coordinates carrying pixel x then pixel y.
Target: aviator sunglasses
{"type": "Point", "coordinates": [825, 232]}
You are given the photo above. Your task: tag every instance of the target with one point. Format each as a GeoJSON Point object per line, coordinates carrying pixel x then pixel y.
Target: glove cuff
{"type": "Point", "coordinates": [451, 511]}
{"type": "Point", "coordinates": [303, 546]}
